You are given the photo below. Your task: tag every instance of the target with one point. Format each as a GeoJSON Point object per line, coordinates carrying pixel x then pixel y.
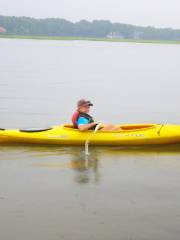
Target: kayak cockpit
{"type": "Point", "coordinates": [129, 127]}
{"type": "Point", "coordinates": [136, 126]}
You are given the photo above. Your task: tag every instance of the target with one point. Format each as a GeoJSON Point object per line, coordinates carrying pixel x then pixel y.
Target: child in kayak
{"type": "Point", "coordinates": [83, 121]}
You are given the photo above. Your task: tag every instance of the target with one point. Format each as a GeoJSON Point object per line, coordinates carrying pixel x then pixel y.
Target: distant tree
{"type": "Point", "coordinates": [97, 28]}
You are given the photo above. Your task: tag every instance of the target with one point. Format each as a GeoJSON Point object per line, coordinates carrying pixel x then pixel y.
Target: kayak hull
{"type": "Point", "coordinates": [132, 134]}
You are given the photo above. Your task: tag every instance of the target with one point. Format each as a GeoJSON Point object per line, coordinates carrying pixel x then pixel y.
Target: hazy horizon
{"type": "Point", "coordinates": [161, 13]}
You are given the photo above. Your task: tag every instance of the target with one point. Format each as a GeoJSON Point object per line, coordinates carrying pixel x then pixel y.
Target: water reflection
{"type": "Point", "coordinates": [82, 169]}
{"type": "Point", "coordinates": [145, 150]}
{"type": "Point", "coordinates": [86, 168]}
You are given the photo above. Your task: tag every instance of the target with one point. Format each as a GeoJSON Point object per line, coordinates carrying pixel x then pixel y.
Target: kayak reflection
{"type": "Point", "coordinates": [72, 162]}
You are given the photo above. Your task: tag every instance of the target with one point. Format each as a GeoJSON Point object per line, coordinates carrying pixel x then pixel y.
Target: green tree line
{"type": "Point", "coordinates": [26, 26]}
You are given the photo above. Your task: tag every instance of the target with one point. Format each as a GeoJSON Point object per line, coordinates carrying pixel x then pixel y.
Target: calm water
{"type": "Point", "coordinates": [117, 193]}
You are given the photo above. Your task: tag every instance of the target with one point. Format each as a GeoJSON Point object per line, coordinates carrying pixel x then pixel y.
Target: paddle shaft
{"type": "Point", "coordinates": [88, 139]}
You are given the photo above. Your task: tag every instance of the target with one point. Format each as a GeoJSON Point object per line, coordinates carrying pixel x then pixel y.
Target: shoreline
{"type": "Point", "coordinates": [88, 39]}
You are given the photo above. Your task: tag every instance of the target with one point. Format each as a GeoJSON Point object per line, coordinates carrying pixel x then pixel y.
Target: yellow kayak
{"type": "Point", "coordinates": [132, 134]}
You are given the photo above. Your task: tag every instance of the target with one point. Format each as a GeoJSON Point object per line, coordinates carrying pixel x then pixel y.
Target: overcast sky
{"type": "Point", "coordinates": [160, 13]}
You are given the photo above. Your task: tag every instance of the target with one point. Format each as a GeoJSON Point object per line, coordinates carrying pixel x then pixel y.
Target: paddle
{"type": "Point", "coordinates": [88, 139]}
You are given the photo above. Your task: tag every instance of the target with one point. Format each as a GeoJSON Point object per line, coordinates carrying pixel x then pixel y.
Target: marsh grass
{"type": "Point", "coordinates": [89, 39]}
